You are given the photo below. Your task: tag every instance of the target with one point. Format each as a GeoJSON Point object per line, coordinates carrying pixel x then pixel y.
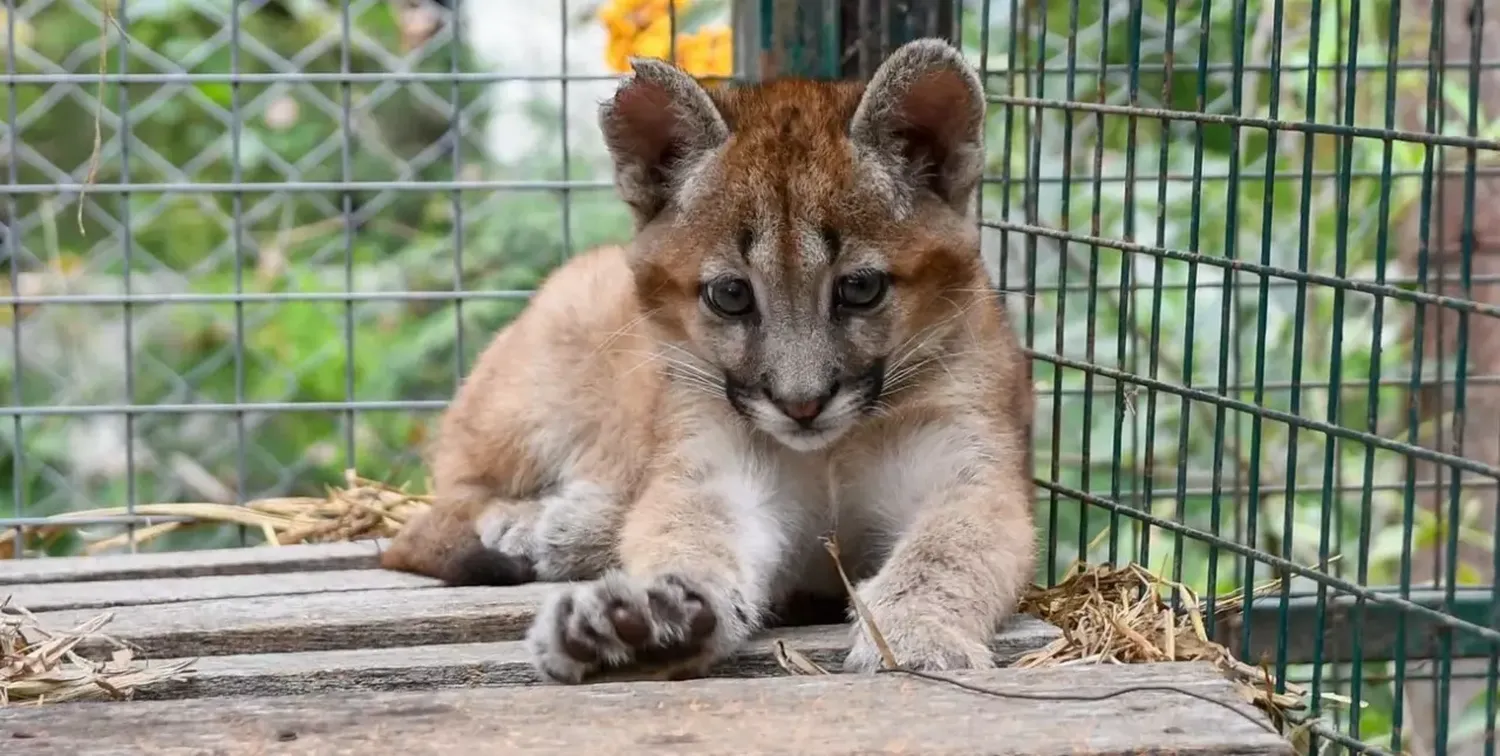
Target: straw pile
{"type": "Point", "coordinates": [39, 665]}
{"type": "Point", "coordinates": [362, 509]}
{"type": "Point", "coordinates": [1119, 615]}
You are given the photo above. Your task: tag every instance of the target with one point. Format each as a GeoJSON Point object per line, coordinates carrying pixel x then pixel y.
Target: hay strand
{"type": "Point", "coordinates": [39, 665]}
{"type": "Point", "coordinates": [361, 509]}
{"type": "Point", "coordinates": [1119, 615]}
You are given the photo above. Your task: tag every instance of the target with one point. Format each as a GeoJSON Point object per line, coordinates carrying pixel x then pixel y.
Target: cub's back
{"type": "Point", "coordinates": [574, 365]}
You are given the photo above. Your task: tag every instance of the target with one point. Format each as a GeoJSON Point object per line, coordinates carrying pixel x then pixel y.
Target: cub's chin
{"type": "Point", "coordinates": [842, 415]}
{"type": "Point", "coordinates": [807, 439]}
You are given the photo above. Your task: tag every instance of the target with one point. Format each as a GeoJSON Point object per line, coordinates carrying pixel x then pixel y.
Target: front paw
{"type": "Point", "coordinates": [665, 627]}
{"type": "Point", "coordinates": [922, 641]}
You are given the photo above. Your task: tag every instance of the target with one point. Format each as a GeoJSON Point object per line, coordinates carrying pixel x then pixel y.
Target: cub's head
{"type": "Point", "coordinates": [803, 245]}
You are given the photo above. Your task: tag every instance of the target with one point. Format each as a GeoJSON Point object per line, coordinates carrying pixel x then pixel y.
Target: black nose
{"type": "Point", "coordinates": [801, 408]}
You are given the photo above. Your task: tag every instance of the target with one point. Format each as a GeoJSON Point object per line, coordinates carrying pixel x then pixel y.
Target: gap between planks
{"type": "Point", "coordinates": [108, 594]}
{"type": "Point", "coordinates": [816, 716]}
{"type": "Point", "coordinates": [374, 618]}
{"type": "Point", "coordinates": [246, 560]}
{"type": "Point", "coordinates": [504, 663]}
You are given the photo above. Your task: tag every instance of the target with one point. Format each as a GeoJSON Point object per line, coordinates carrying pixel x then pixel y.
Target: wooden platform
{"type": "Point", "coordinates": [311, 649]}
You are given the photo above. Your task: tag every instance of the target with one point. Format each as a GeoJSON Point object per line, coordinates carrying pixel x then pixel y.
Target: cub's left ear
{"type": "Point", "coordinates": [923, 115]}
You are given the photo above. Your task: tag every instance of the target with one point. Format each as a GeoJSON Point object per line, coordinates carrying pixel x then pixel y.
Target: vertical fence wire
{"type": "Point", "coordinates": [13, 267]}
{"type": "Point", "coordinates": [456, 144]}
{"type": "Point", "coordinates": [127, 248]}
{"type": "Point", "coordinates": [346, 172]}
{"type": "Point", "coordinates": [237, 211]}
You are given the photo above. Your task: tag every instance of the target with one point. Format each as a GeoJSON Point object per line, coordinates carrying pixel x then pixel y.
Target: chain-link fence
{"type": "Point", "coordinates": [252, 244]}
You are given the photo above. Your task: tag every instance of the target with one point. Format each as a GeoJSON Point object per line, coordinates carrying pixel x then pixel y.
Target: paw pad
{"type": "Point", "coordinates": [620, 624]}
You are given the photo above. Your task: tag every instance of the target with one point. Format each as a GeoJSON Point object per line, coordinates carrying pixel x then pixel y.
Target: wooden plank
{"type": "Point", "coordinates": [317, 621]}
{"type": "Point", "coordinates": [504, 663]}
{"type": "Point", "coordinates": [371, 619]}
{"type": "Point", "coordinates": [243, 561]}
{"type": "Point", "coordinates": [817, 716]}
{"type": "Point", "coordinates": [102, 594]}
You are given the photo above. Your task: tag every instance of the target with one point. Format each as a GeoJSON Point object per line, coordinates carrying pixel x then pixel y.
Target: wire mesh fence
{"type": "Point", "coordinates": [1250, 245]}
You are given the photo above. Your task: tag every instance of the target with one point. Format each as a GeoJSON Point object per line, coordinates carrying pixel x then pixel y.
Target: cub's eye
{"type": "Point", "coordinates": [861, 290]}
{"type": "Point", "coordinates": [729, 297]}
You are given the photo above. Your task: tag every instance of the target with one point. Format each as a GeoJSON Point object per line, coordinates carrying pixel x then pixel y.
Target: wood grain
{"type": "Point", "coordinates": [99, 594]}
{"type": "Point", "coordinates": [369, 619]}
{"type": "Point", "coordinates": [242, 561]}
{"type": "Point", "coordinates": [816, 716]}
{"type": "Point", "coordinates": [504, 663]}
{"type": "Point", "coordinates": [316, 622]}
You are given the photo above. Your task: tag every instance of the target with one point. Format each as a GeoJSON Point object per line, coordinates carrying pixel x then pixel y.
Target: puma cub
{"type": "Point", "coordinates": [800, 340]}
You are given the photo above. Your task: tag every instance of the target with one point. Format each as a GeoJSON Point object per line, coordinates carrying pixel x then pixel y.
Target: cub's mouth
{"type": "Point", "coordinates": [803, 427]}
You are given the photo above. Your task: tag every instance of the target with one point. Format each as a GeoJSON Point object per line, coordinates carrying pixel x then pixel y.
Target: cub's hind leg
{"type": "Point", "coordinates": [569, 534]}
{"type": "Point", "coordinates": [545, 440]}
{"type": "Point", "coordinates": [443, 543]}
{"type": "Point", "coordinates": [474, 536]}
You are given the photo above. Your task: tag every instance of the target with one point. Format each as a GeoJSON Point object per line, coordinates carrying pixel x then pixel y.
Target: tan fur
{"type": "Point", "coordinates": [574, 368]}
{"type": "Point", "coordinates": [625, 435]}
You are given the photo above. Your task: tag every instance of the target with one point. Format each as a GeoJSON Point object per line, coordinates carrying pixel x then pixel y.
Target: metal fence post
{"type": "Point", "coordinates": [831, 39]}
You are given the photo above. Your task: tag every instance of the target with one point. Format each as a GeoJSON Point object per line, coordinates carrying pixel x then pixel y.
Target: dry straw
{"type": "Point", "coordinates": [40, 665]}
{"type": "Point", "coordinates": [362, 509]}
{"type": "Point", "coordinates": [1120, 615]}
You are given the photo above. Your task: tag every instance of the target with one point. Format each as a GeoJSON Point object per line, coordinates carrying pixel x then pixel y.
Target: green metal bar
{"type": "Point", "coordinates": [1195, 223]}
{"type": "Point", "coordinates": [1336, 359]}
{"type": "Point", "coordinates": [1299, 330]}
{"type": "Point", "coordinates": [1157, 280]}
{"type": "Point", "coordinates": [1379, 636]}
{"type": "Point", "coordinates": [1408, 514]}
{"type": "Point", "coordinates": [841, 39]}
{"type": "Point", "coordinates": [1060, 317]}
{"type": "Point", "coordinates": [1033, 188]}
{"type": "Point", "coordinates": [1226, 302]}
{"type": "Point", "coordinates": [1252, 528]}
{"type": "Point", "coordinates": [1372, 414]}
{"type": "Point", "coordinates": [1128, 309]}
{"type": "Point", "coordinates": [1091, 317]}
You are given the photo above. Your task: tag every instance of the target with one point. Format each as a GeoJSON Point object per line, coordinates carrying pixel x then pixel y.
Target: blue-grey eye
{"type": "Point", "coordinates": [729, 297]}
{"type": "Point", "coordinates": [861, 290]}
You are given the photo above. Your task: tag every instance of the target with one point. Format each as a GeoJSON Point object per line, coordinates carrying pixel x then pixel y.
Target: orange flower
{"type": "Point", "coordinates": [643, 28]}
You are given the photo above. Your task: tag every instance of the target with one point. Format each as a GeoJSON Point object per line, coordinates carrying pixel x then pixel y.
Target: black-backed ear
{"type": "Point", "coordinates": [923, 114]}
{"type": "Point", "coordinates": [656, 125]}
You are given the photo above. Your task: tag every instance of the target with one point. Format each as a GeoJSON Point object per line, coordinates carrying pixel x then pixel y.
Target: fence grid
{"type": "Point", "coordinates": [1249, 244]}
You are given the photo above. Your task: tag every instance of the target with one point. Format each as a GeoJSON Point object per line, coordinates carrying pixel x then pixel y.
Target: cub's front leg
{"type": "Point", "coordinates": [962, 557]}
{"type": "Point", "coordinates": [698, 552]}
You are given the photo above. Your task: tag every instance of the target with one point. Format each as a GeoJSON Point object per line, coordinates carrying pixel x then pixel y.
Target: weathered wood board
{"type": "Point", "coordinates": [262, 560]}
{"type": "Point", "coordinates": [319, 621]}
{"type": "Point", "coordinates": [369, 619]}
{"type": "Point", "coordinates": [503, 663]}
{"type": "Point", "coordinates": [813, 715]}
{"type": "Point", "coordinates": [312, 649]}
{"type": "Point", "coordinates": [101, 594]}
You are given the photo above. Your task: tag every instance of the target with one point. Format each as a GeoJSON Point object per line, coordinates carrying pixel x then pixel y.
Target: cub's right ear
{"type": "Point", "coordinates": [656, 125]}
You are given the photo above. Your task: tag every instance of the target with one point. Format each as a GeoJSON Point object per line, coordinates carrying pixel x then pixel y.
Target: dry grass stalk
{"type": "Point", "coordinates": [1119, 615]}
{"type": "Point", "coordinates": [362, 509]}
{"type": "Point", "coordinates": [39, 665]}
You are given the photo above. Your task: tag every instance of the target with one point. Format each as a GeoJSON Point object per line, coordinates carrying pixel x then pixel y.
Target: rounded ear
{"type": "Point", "coordinates": [658, 123]}
{"type": "Point", "coordinates": [922, 115]}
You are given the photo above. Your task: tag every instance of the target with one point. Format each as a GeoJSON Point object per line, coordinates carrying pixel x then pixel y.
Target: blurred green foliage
{"type": "Point", "coordinates": [292, 242]}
